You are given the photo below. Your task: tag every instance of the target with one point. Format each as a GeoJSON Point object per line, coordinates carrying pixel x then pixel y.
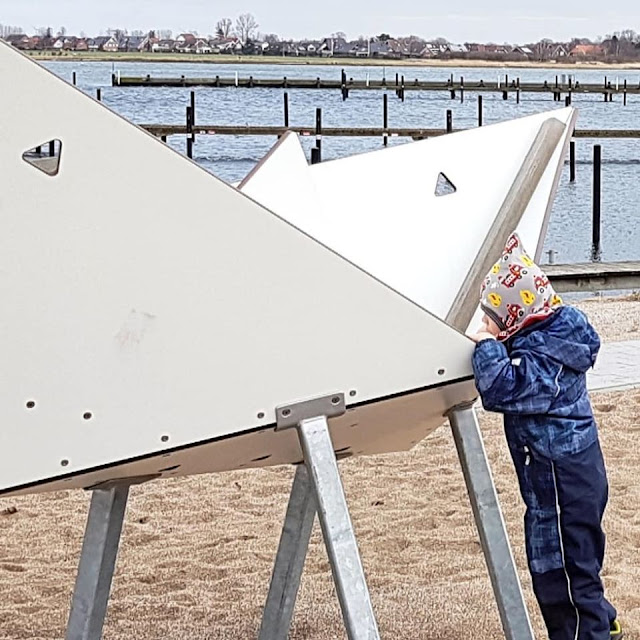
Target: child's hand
{"type": "Point", "coordinates": [482, 335]}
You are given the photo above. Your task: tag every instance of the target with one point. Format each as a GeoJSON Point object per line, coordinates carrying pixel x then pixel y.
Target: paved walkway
{"type": "Point", "coordinates": [617, 368]}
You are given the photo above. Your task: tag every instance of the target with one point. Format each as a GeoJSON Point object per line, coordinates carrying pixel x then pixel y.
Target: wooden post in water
{"type": "Point", "coordinates": [192, 114]}
{"type": "Point", "coordinates": [385, 119]}
{"type": "Point", "coordinates": [74, 78]}
{"type": "Point", "coordinates": [315, 155]}
{"type": "Point", "coordinates": [163, 138]}
{"type": "Point", "coordinates": [597, 168]}
{"type": "Point", "coordinates": [480, 110]}
{"type": "Point", "coordinates": [52, 148]}
{"type": "Point", "coordinates": [572, 161]}
{"type": "Point", "coordinates": [402, 89]}
{"type": "Point", "coordinates": [286, 109]}
{"type": "Point", "coordinates": [567, 100]}
{"type": "Point", "coordinates": [624, 95]}
{"type": "Point", "coordinates": [517, 96]}
{"type": "Point", "coordinates": [99, 94]}
{"type": "Point", "coordinates": [449, 121]}
{"type": "Point", "coordinates": [319, 133]}
{"type": "Point", "coordinates": [189, 134]}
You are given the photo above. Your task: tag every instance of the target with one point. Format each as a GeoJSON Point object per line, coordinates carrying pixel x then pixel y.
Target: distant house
{"type": "Point", "coordinates": [82, 45]}
{"type": "Point", "coordinates": [431, 50]}
{"type": "Point", "coordinates": [399, 49]}
{"type": "Point", "coordinates": [186, 43]}
{"type": "Point", "coordinates": [333, 47]}
{"type": "Point", "coordinates": [103, 43]}
{"type": "Point", "coordinates": [202, 46]}
{"type": "Point", "coordinates": [19, 41]}
{"type": "Point", "coordinates": [380, 49]}
{"type": "Point", "coordinates": [454, 49]}
{"type": "Point", "coordinates": [131, 43]}
{"type": "Point", "coordinates": [225, 45]}
{"type": "Point", "coordinates": [308, 48]}
{"type": "Point", "coordinates": [559, 51]}
{"type": "Point", "coordinates": [160, 46]}
{"type": "Point", "coordinates": [65, 43]}
{"type": "Point", "coordinates": [587, 50]}
{"type": "Point", "coordinates": [523, 51]}
{"type": "Point", "coordinates": [359, 48]}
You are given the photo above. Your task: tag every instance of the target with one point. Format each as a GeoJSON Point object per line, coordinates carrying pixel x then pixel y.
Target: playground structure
{"type": "Point", "coordinates": [159, 340]}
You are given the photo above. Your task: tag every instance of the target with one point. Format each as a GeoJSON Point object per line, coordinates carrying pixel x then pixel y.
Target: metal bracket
{"type": "Point", "coordinates": [290, 415]}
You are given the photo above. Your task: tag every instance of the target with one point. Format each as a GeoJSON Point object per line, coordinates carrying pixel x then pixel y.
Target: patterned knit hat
{"type": "Point", "coordinates": [516, 292]}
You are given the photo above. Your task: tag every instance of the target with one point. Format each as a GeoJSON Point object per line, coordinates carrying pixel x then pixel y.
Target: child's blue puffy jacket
{"type": "Point", "coordinates": [537, 380]}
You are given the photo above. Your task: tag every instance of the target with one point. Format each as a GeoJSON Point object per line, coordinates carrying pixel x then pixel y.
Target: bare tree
{"type": "Point", "coordinates": [246, 26]}
{"type": "Point", "coordinates": [165, 34]}
{"type": "Point", "coordinates": [224, 27]}
{"type": "Point", "coordinates": [7, 30]}
{"type": "Point", "coordinates": [339, 35]}
{"type": "Point", "coordinates": [271, 38]}
{"type": "Point", "coordinates": [62, 32]}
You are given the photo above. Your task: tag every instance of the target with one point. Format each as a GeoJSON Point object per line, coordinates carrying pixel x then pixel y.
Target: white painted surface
{"type": "Point", "coordinates": [379, 209]}
{"type": "Point", "coordinates": [182, 313]}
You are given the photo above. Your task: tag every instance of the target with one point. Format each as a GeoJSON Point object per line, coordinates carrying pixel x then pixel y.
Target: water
{"type": "Point", "coordinates": [232, 157]}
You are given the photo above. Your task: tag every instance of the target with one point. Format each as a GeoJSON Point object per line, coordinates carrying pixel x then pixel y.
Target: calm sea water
{"type": "Point", "coordinates": [231, 157]}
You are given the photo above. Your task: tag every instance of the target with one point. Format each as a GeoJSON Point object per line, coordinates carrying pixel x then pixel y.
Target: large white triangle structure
{"type": "Point", "coordinates": [149, 309]}
{"type": "Point", "coordinates": [159, 322]}
{"type": "Point", "coordinates": [382, 211]}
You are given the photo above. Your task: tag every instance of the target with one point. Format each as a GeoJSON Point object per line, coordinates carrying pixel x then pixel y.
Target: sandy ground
{"type": "Point", "coordinates": [196, 555]}
{"type": "Point", "coordinates": [71, 56]}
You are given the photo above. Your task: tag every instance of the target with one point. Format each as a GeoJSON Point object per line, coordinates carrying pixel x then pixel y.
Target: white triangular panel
{"type": "Point", "coordinates": [152, 313]}
{"type": "Point", "coordinates": [380, 210]}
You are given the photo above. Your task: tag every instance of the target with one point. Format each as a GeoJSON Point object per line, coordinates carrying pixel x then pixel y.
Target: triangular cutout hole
{"type": "Point", "coordinates": [444, 186]}
{"type": "Point", "coordinates": [45, 157]}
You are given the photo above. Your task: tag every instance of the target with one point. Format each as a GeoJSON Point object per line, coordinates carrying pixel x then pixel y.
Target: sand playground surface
{"type": "Point", "coordinates": [197, 553]}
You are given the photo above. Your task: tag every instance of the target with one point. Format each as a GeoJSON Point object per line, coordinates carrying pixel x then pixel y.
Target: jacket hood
{"type": "Point", "coordinates": [516, 292]}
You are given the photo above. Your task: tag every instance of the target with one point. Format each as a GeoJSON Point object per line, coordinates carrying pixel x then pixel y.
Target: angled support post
{"type": "Point", "coordinates": [292, 551]}
{"type": "Point", "coordinates": [97, 563]}
{"type": "Point", "coordinates": [490, 523]}
{"type": "Point", "coordinates": [317, 486]}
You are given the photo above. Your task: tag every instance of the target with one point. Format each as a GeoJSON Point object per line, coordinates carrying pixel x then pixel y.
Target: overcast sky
{"type": "Point", "coordinates": [457, 20]}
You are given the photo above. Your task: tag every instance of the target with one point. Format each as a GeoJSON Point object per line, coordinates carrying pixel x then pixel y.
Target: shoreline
{"type": "Point", "coordinates": [329, 62]}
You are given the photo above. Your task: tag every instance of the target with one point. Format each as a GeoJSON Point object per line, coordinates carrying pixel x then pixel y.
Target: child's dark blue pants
{"type": "Point", "coordinates": [565, 501]}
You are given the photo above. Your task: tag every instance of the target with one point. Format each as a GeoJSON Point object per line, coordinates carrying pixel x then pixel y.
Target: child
{"type": "Point", "coordinates": [530, 362]}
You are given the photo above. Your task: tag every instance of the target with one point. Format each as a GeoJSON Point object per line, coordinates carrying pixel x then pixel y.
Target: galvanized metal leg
{"type": "Point", "coordinates": [97, 563]}
{"type": "Point", "coordinates": [337, 530]}
{"type": "Point", "coordinates": [290, 558]}
{"type": "Point", "coordinates": [491, 527]}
